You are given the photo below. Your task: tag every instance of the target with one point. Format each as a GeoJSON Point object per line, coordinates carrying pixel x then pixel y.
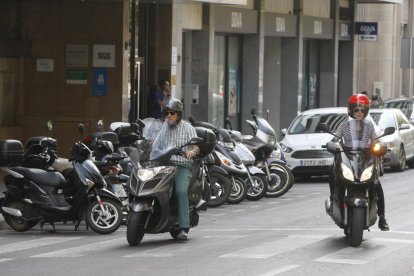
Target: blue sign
{"type": "Point", "coordinates": [366, 28]}
{"type": "Point", "coordinates": [100, 81]}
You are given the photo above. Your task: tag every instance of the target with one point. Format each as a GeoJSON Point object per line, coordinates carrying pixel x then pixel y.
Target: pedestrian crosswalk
{"type": "Point", "coordinates": [229, 245]}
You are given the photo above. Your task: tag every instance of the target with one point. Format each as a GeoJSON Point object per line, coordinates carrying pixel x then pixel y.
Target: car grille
{"type": "Point", "coordinates": [311, 154]}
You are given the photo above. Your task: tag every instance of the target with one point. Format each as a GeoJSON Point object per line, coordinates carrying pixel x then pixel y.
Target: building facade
{"type": "Point", "coordinates": [79, 61]}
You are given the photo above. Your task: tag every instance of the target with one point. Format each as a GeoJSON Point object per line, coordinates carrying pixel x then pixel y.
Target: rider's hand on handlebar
{"type": "Point", "coordinates": [191, 154]}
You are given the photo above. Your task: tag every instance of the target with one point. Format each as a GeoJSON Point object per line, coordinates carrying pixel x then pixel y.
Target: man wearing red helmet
{"type": "Point", "coordinates": [358, 108]}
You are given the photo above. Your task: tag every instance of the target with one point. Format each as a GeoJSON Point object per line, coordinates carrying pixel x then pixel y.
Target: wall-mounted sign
{"type": "Point", "coordinates": [44, 65]}
{"type": "Point", "coordinates": [100, 81]}
{"type": "Point", "coordinates": [77, 55]}
{"type": "Point", "coordinates": [366, 31]}
{"type": "Point", "coordinates": [280, 24]}
{"type": "Point", "coordinates": [77, 75]}
{"type": "Point", "coordinates": [103, 55]}
{"type": "Point", "coordinates": [235, 20]}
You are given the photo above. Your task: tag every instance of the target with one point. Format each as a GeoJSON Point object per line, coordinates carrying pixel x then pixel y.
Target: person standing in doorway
{"type": "Point", "coordinates": [161, 98]}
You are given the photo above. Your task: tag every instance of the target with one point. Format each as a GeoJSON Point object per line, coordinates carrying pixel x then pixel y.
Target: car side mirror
{"type": "Point", "coordinates": [283, 131]}
{"type": "Point", "coordinates": [332, 148]}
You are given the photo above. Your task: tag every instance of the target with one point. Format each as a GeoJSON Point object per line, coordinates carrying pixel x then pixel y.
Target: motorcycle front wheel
{"type": "Point", "coordinates": [356, 229]}
{"type": "Point", "coordinates": [135, 228]}
{"type": "Point", "coordinates": [238, 190]}
{"type": "Point", "coordinates": [220, 189]}
{"type": "Point", "coordinates": [258, 188]}
{"type": "Point", "coordinates": [104, 221]}
{"type": "Point", "coordinates": [281, 180]}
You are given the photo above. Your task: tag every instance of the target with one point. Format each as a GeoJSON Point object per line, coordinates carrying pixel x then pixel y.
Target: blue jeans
{"type": "Point", "coordinates": [182, 181]}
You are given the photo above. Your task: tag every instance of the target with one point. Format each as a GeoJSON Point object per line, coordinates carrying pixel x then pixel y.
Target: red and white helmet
{"type": "Point", "coordinates": [359, 100]}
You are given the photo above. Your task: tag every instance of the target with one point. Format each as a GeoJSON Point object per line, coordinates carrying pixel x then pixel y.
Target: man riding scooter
{"type": "Point", "coordinates": [359, 129]}
{"type": "Point", "coordinates": [176, 132]}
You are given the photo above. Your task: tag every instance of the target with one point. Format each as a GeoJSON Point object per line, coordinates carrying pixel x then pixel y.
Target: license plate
{"type": "Point", "coordinates": [119, 190]}
{"type": "Point", "coordinates": [313, 162]}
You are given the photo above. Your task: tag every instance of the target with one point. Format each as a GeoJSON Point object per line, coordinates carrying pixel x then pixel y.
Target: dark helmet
{"type": "Point", "coordinates": [174, 104]}
{"type": "Point", "coordinates": [359, 100]}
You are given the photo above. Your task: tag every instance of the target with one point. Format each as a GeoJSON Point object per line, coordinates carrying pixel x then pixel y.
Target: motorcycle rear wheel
{"type": "Point", "coordinates": [238, 190]}
{"type": "Point", "coordinates": [257, 190]}
{"type": "Point", "coordinates": [281, 180]}
{"type": "Point", "coordinates": [135, 228]}
{"type": "Point", "coordinates": [101, 223]}
{"type": "Point", "coordinates": [220, 189]}
{"type": "Point", "coordinates": [356, 229]}
{"type": "Point", "coordinates": [15, 223]}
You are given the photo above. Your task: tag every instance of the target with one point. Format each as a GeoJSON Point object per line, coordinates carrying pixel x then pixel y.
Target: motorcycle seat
{"type": "Point", "coordinates": [42, 177]}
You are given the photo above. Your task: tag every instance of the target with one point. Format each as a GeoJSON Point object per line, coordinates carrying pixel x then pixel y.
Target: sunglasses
{"type": "Point", "coordinates": [172, 113]}
{"type": "Point", "coordinates": [359, 110]}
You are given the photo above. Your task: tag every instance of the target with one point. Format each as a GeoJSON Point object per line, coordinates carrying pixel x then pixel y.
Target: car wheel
{"type": "Point", "coordinates": [400, 167]}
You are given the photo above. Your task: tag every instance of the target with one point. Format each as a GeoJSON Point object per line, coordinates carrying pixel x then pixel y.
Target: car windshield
{"type": "Point", "coordinates": [405, 106]}
{"type": "Point", "coordinates": [309, 123]}
{"type": "Point", "coordinates": [383, 119]}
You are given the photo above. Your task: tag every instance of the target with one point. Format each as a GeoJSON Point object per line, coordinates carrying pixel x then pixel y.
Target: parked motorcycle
{"type": "Point", "coordinates": [356, 174]}
{"type": "Point", "coordinates": [153, 206]}
{"type": "Point", "coordinates": [263, 144]}
{"type": "Point", "coordinates": [36, 195]}
{"type": "Point", "coordinates": [226, 157]}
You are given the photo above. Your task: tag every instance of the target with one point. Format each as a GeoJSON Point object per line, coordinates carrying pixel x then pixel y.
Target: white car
{"type": "Point", "coordinates": [304, 143]}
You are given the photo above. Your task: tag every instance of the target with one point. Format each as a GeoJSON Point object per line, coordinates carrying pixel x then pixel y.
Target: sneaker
{"type": "Point", "coordinates": [182, 235]}
{"type": "Point", "coordinates": [382, 224]}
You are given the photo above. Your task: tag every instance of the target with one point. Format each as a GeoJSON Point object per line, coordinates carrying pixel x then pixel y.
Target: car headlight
{"type": "Point", "coordinates": [228, 145]}
{"type": "Point", "coordinates": [367, 173]}
{"type": "Point", "coordinates": [147, 174]}
{"type": "Point", "coordinates": [390, 145]}
{"type": "Point", "coordinates": [347, 172]}
{"type": "Point", "coordinates": [285, 148]}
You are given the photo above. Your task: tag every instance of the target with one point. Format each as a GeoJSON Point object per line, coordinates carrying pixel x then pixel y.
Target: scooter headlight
{"type": "Point", "coordinates": [272, 140]}
{"type": "Point", "coordinates": [147, 174]}
{"type": "Point", "coordinates": [347, 172]}
{"type": "Point", "coordinates": [367, 173]}
{"type": "Point", "coordinates": [224, 159]}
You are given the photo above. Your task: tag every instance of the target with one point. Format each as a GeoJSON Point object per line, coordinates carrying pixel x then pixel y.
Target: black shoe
{"type": "Point", "coordinates": [382, 224]}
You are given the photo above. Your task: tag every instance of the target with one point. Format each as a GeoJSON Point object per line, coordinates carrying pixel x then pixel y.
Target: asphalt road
{"type": "Point", "coordinates": [290, 235]}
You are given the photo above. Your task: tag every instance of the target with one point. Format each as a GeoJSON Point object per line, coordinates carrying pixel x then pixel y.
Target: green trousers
{"type": "Point", "coordinates": [182, 181]}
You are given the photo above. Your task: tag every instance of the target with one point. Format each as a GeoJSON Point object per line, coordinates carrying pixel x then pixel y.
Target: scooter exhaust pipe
{"type": "Point", "coordinates": [12, 211]}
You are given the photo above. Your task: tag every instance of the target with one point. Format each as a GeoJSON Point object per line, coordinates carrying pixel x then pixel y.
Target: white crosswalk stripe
{"type": "Point", "coordinates": [269, 249]}
{"type": "Point", "coordinates": [368, 251]}
{"type": "Point", "coordinates": [279, 270]}
{"type": "Point", "coordinates": [2, 260]}
{"type": "Point", "coordinates": [24, 245]}
{"type": "Point", "coordinates": [79, 251]}
{"type": "Point", "coordinates": [172, 250]}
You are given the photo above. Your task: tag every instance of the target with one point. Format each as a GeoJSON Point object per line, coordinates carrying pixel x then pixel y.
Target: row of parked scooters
{"type": "Point", "coordinates": [115, 177]}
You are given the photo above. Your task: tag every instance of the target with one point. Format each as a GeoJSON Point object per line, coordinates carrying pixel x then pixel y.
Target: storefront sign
{"type": "Point", "coordinates": [44, 65]}
{"type": "Point", "coordinates": [367, 31]}
{"type": "Point", "coordinates": [77, 55]}
{"type": "Point", "coordinates": [77, 76]}
{"type": "Point", "coordinates": [100, 81]}
{"type": "Point", "coordinates": [345, 28]}
{"type": "Point", "coordinates": [280, 25]}
{"type": "Point", "coordinates": [235, 20]}
{"type": "Point", "coordinates": [318, 28]}
{"type": "Point", "coordinates": [103, 55]}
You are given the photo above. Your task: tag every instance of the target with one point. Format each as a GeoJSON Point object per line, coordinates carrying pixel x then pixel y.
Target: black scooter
{"type": "Point", "coordinates": [152, 202]}
{"type": "Point", "coordinates": [36, 195]}
{"type": "Point", "coordinates": [356, 173]}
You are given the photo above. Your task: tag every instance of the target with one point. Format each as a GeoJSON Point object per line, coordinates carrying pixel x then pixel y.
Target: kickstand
{"type": "Point", "coordinates": [77, 225]}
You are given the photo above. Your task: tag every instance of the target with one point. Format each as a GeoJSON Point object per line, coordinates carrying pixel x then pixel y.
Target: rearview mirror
{"type": "Point", "coordinates": [81, 128]}
{"type": "Point", "coordinates": [332, 148]}
{"type": "Point", "coordinates": [389, 131]}
{"type": "Point", "coordinates": [49, 125]}
{"type": "Point", "coordinates": [228, 122]}
{"type": "Point", "coordinates": [196, 140]}
{"type": "Point", "coordinates": [253, 111]}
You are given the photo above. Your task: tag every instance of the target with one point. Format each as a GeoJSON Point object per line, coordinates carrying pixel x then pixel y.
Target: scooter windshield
{"type": "Point", "coordinates": [161, 153]}
{"type": "Point", "coordinates": [151, 129]}
{"type": "Point", "coordinates": [264, 126]}
{"type": "Point", "coordinates": [87, 170]}
{"type": "Point", "coordinates": [356, 137]}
